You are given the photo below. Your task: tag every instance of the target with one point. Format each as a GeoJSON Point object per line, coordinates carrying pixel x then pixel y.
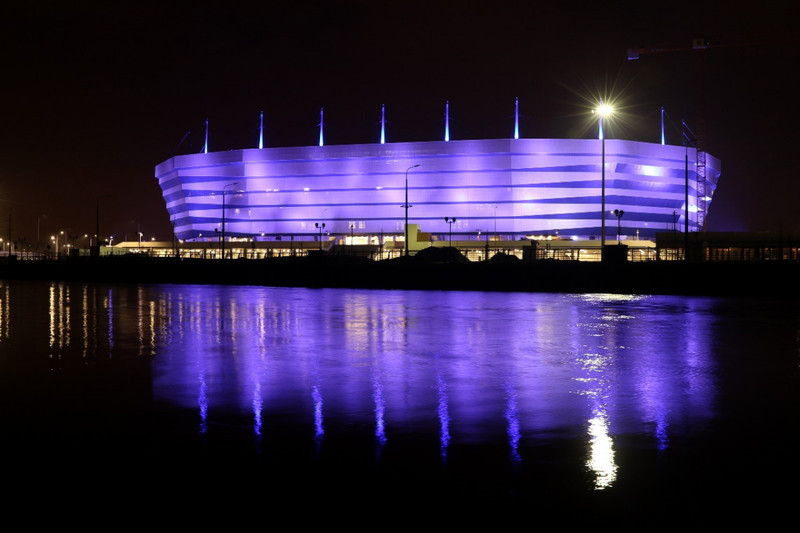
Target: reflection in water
{"type": "Point", "coordinates": [380, 407]}
{"type": "Point", "coordinates": [444, 416]}
{"type": "Point", "coordinates": [512, 420]}
{"type": "Point", "coordinates": [59, 317]}
{"type": "Point", "coordinates": [202, 403]}
{"type": "Point", "coordinates": [109, 305]}
{"type": "Point", "coordinates": [5, 311]}
{"type": "Point", "coordinates": [460, 368]}
{"type": "Point", "coordinates": [601, 451]}
{"type": "Point", "coordinates": [257, 407]}
{"type": "Point", "coordinates": [603, 329]}
{"type": "Point", "coordinates": [319, 431]}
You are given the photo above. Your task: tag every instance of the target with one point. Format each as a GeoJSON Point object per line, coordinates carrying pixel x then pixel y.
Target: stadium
{"type": "Point", "coordinates": [462, 191]}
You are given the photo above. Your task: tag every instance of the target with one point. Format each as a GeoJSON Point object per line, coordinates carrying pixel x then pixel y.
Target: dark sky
{"type": "Point", "coordinates": [95, 94]}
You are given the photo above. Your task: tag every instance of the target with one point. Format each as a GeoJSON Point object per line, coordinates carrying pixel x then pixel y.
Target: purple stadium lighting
{"type": "Point", "coordinates": [516, 119]}
{"type": "Point", "coordinates": [544, 186]}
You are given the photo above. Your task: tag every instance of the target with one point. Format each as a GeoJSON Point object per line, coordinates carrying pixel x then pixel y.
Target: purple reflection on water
{"type": "Point", "coordinates": [525, 364]}
{"type": "Point", "coordinates": [444, 416]}
{"type": "Point", "coordinates": [319, 431]}
{"type": "Point", "coordinates": [202, 402]}
{"type": "Point", "coordinates": [512, 418]}
{"type": "Point", "coordinates": [380, 406]}
{"type": "Point", "coordinates": [597, 392]}
{"type": "Point", "coordinates": [257, 407]}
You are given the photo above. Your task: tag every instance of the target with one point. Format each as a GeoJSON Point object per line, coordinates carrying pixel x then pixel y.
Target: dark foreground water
{"type": "Point", "coordinates": [253, 405]}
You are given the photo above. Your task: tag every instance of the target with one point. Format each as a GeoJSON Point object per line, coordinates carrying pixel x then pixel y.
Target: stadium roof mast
{"type": "Point", "coordinates": [699, 46]}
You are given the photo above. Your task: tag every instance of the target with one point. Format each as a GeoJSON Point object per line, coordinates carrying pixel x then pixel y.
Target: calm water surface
{"type": "Point", "coordinates": [595, 407]}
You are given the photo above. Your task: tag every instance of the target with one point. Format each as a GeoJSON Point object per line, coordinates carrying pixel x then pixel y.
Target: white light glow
{"type": "Point", "coordinates": [604, 110]}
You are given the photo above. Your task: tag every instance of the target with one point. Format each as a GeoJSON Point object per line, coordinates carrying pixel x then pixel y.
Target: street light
{"type": "Point", "coordinates": [321, 227]}
{"type": "Point", "coordinates": [603, 110]}
{"type": "Point", "coordinates": [686, 142]}
{"type": "Point", "coordinates": [97, 219]}
{"type": "Point", "coordinates": [450, 222]}
{"type": "Point", "coordinates": [406, 206]}
{"type": "Point", "coordinates": [619, 213]}
{"type": "Point", "coordinates": [352, 229]}
{"type": "Point", "coordinates": [224, 189]}
{"type": "Point", "coordinates": [55, 238]}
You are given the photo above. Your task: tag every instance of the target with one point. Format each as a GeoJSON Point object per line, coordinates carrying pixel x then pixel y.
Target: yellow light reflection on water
{"type": "Point", "coordinates": [601, 451]}
{"type": "Point", "coordinates": [597, 358]}
{"type": "Point", "coordinates": [5, 314]}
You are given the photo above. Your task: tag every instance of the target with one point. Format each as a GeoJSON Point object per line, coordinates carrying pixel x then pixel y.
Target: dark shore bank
{"type": "Point", "coordinates": [771, 279]}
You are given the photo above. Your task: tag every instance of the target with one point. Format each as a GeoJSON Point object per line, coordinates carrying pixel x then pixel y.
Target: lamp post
{"type": "Point", "coordinates": [603, 110]}
{"type": "Point", "coordinates": [619, 213]}
{"type": "Point", "coordinates": [686, 142]}
{"type": "Point", "coordinates": [450, 222]}
{"type": "Point", "coordinates": [406, 206]}
{"type": "Point", "coordinates": [224, 190]}
{"type": "Point", "coordinates": [686, 203]}
{"type": "Point", "coordinates": [352, 229]}
{"type": "Point", "coordinates": [320, 227]}
{"type": "Point", "coordinates": [38, 227]}
{"type": "Point", "coordinates": [97, 220]}
{"type": "Point", "coordinates": [56, 239]}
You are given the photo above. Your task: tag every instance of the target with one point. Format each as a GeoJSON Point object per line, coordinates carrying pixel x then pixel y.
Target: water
{"type": "Point", "coordinates": [593, 408]}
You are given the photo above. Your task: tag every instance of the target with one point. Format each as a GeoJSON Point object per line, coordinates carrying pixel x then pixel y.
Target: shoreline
{"type": "Point", "coordinates": [732, 279]}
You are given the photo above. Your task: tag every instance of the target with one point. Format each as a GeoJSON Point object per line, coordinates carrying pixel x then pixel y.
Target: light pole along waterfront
{"type": "Point", "coordinates": [450, 222]}
{"type": "Point", "coordinates": [224, 190]}
{"type": "Point", "coordinates": [603, 110]}
{"type": "Point", "coordinates": [619, 213]}
{"type": "Point", "coordinates": [320, 227]}
{"type": "Point", "coordinates": [406, 206]}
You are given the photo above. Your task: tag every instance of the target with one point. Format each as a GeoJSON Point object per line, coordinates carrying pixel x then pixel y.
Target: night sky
{"type": "Point", "coordinates": [95, 94]}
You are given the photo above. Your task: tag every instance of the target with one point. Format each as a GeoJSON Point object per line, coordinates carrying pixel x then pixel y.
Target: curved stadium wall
{"type": "Point", "coordinates": [512, 187]}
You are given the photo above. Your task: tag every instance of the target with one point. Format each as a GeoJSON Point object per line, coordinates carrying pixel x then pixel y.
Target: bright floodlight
{"type": "Point", "coordinates": [604, 110]}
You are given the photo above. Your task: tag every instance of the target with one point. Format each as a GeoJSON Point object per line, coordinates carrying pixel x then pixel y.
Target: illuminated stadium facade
{"type": "Point", "coordinates": [509, 188]}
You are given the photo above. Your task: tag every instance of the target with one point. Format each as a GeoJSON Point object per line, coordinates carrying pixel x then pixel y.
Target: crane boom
{"type": "Point", "coordinates": [697, 44]}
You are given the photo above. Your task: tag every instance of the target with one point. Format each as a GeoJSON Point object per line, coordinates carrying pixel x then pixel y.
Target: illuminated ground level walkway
{"type": "Point", "coordinates": [668, 246]}
{"type": "Point", "coordinates": [378, 247]}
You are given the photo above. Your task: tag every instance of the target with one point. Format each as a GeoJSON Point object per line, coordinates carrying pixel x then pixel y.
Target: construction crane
{"type": "Point", "coordinates": [699, 47]}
